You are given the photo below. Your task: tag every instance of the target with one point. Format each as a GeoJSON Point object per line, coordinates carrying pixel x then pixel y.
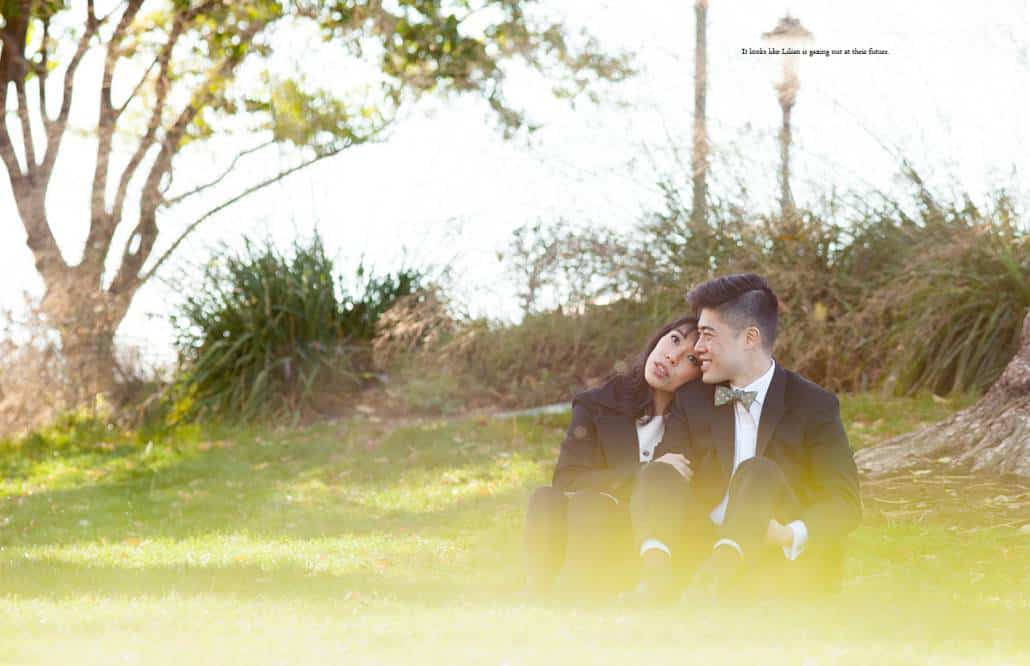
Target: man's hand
{"type": "Point", "coordinates": [779, 534]}
{"type": "Point", "coordinates": [678, 461]}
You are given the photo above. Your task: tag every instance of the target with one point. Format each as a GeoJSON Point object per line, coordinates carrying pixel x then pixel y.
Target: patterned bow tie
{"type": "Point", "coordinates": [725, 394]}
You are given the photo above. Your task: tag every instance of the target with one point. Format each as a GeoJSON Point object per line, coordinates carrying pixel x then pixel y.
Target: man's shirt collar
{"type": "Point", "coordinates": [761, 385]}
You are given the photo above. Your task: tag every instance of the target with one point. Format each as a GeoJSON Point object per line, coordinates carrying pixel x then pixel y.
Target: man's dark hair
{"type": "Point", "coordinates": [745, 299]}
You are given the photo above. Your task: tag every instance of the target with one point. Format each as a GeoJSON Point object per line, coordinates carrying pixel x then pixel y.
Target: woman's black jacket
{"type": "Point", "coordinates": [600, 450]}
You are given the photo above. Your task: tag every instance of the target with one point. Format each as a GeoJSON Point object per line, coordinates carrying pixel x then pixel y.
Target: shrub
{"type": "Point", "coordinates": [546, 358]}
{"type": "Point", "coordinates": [875, 292]}
{"type": "Point", "coordinates": [265, 329]}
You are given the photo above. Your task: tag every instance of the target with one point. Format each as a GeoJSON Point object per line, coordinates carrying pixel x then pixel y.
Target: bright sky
{"type": "Point", "coordinates": [951, 95]}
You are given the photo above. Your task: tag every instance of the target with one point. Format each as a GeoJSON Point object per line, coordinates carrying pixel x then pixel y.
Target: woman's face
{"type": "Point", "coordinates": [672, 363]}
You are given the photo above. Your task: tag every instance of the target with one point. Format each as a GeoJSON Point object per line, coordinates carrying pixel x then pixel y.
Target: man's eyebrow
{"type": "Point", "coordinates": [705, 328]}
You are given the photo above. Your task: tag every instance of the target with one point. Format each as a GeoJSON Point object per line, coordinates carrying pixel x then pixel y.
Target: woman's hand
{"type": "Point", "coordinates": [679, 462]}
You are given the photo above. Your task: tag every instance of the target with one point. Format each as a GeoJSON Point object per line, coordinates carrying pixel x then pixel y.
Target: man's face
{"type": "Point", "coordinates": [720, 346]}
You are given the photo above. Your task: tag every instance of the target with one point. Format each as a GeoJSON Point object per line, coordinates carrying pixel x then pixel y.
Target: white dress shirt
{"type": "Point", "coordinates": [745, 442]}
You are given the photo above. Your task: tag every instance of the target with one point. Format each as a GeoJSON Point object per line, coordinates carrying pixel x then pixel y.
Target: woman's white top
{"type": "Point", "coordinates": [649, 435]}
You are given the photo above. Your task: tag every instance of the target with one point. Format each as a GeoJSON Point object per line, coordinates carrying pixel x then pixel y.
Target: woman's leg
{"type": "Point", "coordinates": [585, 535]}
{"type": "Point", "coordinates": [599, 558]}
{"type": "Point", "coordinates": [545, 536]}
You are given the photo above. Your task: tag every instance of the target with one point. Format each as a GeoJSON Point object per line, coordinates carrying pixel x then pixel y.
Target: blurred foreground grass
{"type": "Point", "coordinates": [363, 541]}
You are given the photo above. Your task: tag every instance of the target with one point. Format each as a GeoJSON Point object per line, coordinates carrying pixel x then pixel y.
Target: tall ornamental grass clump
{"type": "Point", "coordinates": [958, 304]}
{"type": "Point", "coordinates": [266, 329]}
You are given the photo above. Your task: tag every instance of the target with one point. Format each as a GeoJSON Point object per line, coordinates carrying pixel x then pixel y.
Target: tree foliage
{"type": "Point", "coordinates": [175, 73]}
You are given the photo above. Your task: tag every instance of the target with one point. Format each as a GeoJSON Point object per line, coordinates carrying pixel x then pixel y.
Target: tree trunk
{"type": "Point", "coordinates": [86, 321]}
{"type": "Point", "coordinates": [991, 436]}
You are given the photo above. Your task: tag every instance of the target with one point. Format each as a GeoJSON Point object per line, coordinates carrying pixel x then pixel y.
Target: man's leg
{"type": "Point", "coordinates": [758, 493]}
{"type": "Point", "coordinates": [666, 519]}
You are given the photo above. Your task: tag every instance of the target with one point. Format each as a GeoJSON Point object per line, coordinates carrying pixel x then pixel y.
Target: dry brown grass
{"type": "Point", "coordinates": [36, 385]}
{"type": "Point", "coordinates": [920, 295]}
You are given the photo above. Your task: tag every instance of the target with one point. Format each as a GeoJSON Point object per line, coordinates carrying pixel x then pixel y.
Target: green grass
{"type": "Point", "coordinates": [870, 418]}
{"type": "Point", "coordinates": [361, 542]}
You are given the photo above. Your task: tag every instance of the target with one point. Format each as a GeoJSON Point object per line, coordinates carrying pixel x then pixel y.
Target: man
{"type": "Point", "coordinates": [774, 488]}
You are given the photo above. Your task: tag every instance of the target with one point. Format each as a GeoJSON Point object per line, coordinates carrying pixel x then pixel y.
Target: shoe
{"type": "Point", "coordinates": [715, 578]}
{"type": "Point", "coordinates": [658, 584]}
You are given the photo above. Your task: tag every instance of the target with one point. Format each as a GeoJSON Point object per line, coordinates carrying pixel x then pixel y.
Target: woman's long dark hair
{"type": "Point", "coordinates": [631, 386]}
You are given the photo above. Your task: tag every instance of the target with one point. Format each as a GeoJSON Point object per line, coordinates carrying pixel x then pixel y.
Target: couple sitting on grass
{"type": "Point", "coordinates": [707, 467]}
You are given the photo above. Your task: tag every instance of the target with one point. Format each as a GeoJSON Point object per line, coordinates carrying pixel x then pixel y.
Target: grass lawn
{"type": "Point", "coordinates": [362, 541]}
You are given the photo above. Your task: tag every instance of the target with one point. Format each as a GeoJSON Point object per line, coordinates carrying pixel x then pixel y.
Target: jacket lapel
{"type": "Point", "coordinates": [772, 409]}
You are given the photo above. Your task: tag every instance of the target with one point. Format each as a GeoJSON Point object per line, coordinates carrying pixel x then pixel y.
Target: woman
{"type": "Point", "coordinates": [582, 521]}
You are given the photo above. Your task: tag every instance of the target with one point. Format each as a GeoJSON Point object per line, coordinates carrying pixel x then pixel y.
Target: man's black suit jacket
{"type": "Point", "coordinates": [800, 429]}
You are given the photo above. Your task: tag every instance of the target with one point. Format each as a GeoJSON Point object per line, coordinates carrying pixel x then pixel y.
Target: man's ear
{"type": "Point", "coordinates": [753, 336]}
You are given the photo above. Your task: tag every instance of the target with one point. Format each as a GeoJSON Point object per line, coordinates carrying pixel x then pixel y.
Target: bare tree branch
{"type": "Point", "coordinates": [163, 85]}
{"type": "Point", "coordinates": [28, 140]}
{"type": "Point", "coordinates": [236, 199]}
{"type": "Point", "coordinates": [101, 223]}
{"type": "Point", "coordinates": [145, 232]}
{"type": "Point", "coordinates": [56, 129]}
{"type": "Point", "coordinates": [7, 151]}
{"type": "Point", "coordinates": [179, 198]}
{"type": "Point", "coordinates": [12, 69]}
{"type": "Point", "coordinates": [137, 87]}
{"type": "Point", "coordinates": [106, 125]}
{"type": "Point", "coordinates": [41, 74]}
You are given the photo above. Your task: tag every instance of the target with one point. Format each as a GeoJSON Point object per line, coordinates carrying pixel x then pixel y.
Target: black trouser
{"type": "Point", "coordinates": [585, 535]}
{"type": "Point", "coordinates": [758, 493]}
{"type": "Point", "coordinates": [596, 538]}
